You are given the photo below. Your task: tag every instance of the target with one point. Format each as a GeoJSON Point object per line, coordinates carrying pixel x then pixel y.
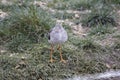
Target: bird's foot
{"type": "Point", "coordinates": [62, 60]}
{"type": "Point", "coordinates": [52, 60]}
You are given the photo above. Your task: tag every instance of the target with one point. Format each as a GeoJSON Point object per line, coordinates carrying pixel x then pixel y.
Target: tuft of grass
{"type": "Point", "coordinates": [25, 25]}
{"type": "Point", "coordinates": [56, 4]}
{"type": "Point", "coordinates": [31, 19]}
{"type": "Point", "coordinates": [92, 66]}
{"type": "Point", "coordinates": [19, 43]}
{"type": "Point", "coordinates": [64, 15]}
{"type": "Point", "coordinates": [109, 3]}
{"type": "Point", "coordinates": [95, 19]}
{"type": "Point", "coordinates": [101, 14]}
{"type": "Point", "coordinates": [101, 30]}
{"type": "Point", "coordinates": [117, 45]}
{"type": "Point", "coordinates": [117, 36]}
{"type": "Point", "coordinates": [80, 4]}
{"type": "Point", "coordinates": [70, 4]}
{"type": "Point", "coordinates": [88, 45]}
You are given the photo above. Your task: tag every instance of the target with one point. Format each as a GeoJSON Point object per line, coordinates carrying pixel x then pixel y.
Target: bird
{"type": "Point", "coordinates": [56, 37]}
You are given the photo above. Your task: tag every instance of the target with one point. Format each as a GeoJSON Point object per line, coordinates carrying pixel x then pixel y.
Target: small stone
{"type": "Point", "coordinates": [77, 16]}
{"type": "Point", "coordinates": [3, 51]}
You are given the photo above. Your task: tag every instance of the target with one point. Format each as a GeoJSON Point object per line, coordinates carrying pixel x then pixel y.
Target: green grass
{"type": "Point", "coordinates": [102, 13]}
{"type": "Point", "coordinates": [101, 30]}
{"type": "Point", "coordinates": [117, 36]}
{"type": "Point", "coordinates": [64, 15]}
{"type": "Point", "coordinates": [25, 25]}
{"type": "Point", "coordinates": [27, 56]}
{"type": "Point", "coordinates": [117, 45]}
{"type": "Point", "coordinates": [70, 4]}
{"type": "Point", "coordinates": [81, 4]}
{"type": "Point", "coordinates": [100, 17]}
{"type": "Point", "coordinates": [37, 66]}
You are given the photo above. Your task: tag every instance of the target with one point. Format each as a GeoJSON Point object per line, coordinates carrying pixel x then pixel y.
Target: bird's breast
{"type": "Point", "coordinates": [58, 36]}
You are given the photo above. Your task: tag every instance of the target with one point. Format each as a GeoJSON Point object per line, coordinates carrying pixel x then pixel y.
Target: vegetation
{"type": "Point", "coordinates": [103, 13]}
{"type": "Point", "coordinates": [25, 25]}
{"type": "Point", "coordinates": [101, 29]}
{"type": "Point", "coordinates": [24, 49]}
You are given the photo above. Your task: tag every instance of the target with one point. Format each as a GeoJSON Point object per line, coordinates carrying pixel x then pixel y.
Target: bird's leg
{"type": "Point", "coordinates": [62, 60]}
{"type": "Point", "coordinates": [51, 52]}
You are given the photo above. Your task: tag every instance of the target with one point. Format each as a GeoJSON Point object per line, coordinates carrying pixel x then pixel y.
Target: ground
{"type": "Point", "coordinates": [89, 50]}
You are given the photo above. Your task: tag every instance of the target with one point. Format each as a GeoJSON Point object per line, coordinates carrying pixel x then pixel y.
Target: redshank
{"type": "Point", "coordinates": [57, 36]}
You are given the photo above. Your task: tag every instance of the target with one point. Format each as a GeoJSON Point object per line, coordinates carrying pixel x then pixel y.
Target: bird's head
{"type": "Point", "coordinates": [58, 24]}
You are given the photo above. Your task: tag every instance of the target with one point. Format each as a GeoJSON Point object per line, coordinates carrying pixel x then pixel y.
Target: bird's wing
{"type": "Point", "coordinates": [48, 35]}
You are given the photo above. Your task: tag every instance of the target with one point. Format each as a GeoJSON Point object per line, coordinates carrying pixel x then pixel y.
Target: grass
{"type": "Point", "coordinates": [37, 65]}
{"type": "Point", "coordinates": [25, 25]}
{"type": "Point", "coordinates": [99, 30]}
{"type": "Point", "coordinates": [24, 31]}
{"type": "Point", "coordinates": [70, 4]}
{"type": "Point", "coordinates": [101, 17]}
{"type": "Point", "coordinates": [102, 13]}
{"type": "Point", "coordinates": [117, 45]}
{"type": "Point", "coordinates": [81, 4]}
{"type": "Point", "coordinates": [64, 15]}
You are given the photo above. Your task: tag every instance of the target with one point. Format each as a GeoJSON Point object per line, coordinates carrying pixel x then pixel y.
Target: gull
{"type": "Point", "coordinates": [57, 36]}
